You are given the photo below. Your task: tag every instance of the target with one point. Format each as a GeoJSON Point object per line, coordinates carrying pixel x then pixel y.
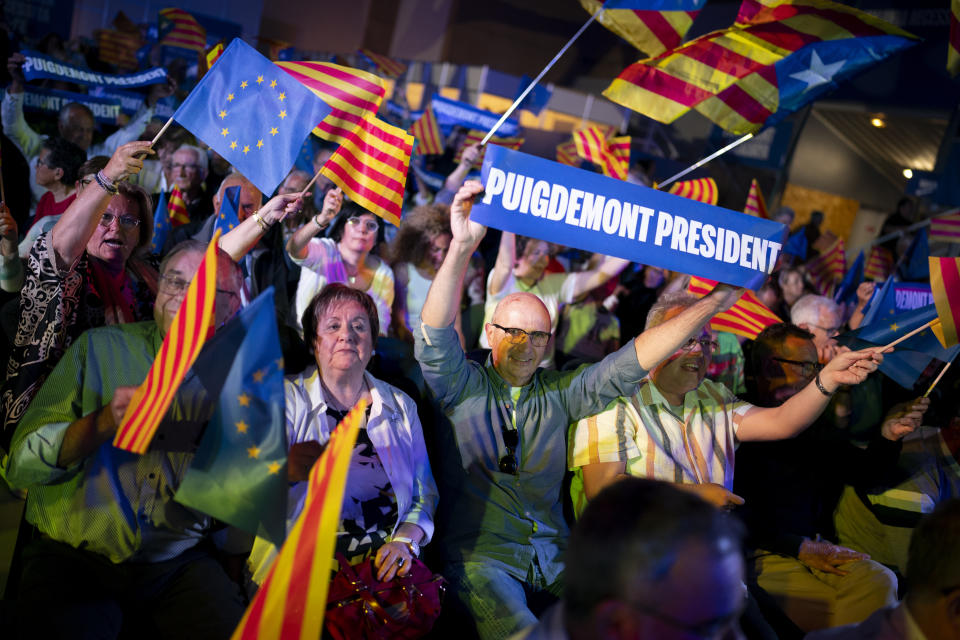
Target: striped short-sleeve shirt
{"type": "Point", "coordinates": [646, 433]}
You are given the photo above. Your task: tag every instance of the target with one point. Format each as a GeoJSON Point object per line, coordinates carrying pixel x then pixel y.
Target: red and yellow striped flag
{"type": "Point", "coordinates": [474, 137]}
{"type": "Point", "coordinates": [567, 153]}
{"type": "Point", "coordinates": [371, 166]}
{"type": "Point", "coordinates": [293, 598]}
{"type": "Point", "coordinates": [652, 32]}
{"type": "Point", "coordinates": [945, 228]}
{"type": "Point", "coordinates": [214, 54]}
{"type": "Point", "coordinates": [953, 44]}
{"type": "Point", "coordinates": [827, 269]}
{"type": "Point", "coordinates": [945, 285]}
{"type": "Point", "coordinates": [879, 264]}
{"type": "Point", "coordinates": [351, 93]}
{"type": "Point", "coordinates": [701, 189]}
{"type": "Point", "coordinates": [182, 30]}
{"type": "Point", "coordinates": [177, 208]}
{"type": "Point", "coordinates": [390, 67]}
{"type": "Point", "coordinates": [596, 144]}
{"type": "Point", "coordinates": [180, 347]}
{"type": "Point", "coordinates": [427, 132]}
{"type": "Point", "coordinates": [118, 48]}
{"type": "Point", "coordinates": [747, 317]}
{"type": "Point", "coordinates": [755, 204]}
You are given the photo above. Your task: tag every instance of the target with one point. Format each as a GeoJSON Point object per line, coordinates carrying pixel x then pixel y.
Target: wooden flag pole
{"type": "Point", "coordinates": [312, 181]}
{"type": "Point", "coordinates": [163, 129]}
{"type": "Point", "coordinates": [940, 375]}
{"type": "Point", "coordinates": [912, 333]}
{"type": "Point", "coordinates": [712, 156]}
{"type": "Point", "coordinates": [539, 77]}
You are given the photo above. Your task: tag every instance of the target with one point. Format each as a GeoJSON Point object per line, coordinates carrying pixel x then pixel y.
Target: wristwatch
{"type": "Point", "coordinates": [413, 546]}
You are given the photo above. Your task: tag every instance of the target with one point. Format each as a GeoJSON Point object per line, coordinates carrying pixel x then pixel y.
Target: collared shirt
{"type": "Point", "coordinates": [645, 432]}
{"type": "Point", "coordinates": [113, 502]}
{"type": "Point", "coordinates": [495, 517]}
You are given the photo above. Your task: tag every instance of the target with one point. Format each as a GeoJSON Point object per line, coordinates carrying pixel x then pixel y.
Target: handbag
{"type": "Point", "coordinates": [360, 606]}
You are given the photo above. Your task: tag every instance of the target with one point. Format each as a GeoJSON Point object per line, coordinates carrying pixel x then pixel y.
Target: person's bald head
{"type": "Point", "coordinates": [518, 335]}
{"type": "Point", "coordinates": [250, 197]}
{"type": "Point", "coordinates": [75, 124]}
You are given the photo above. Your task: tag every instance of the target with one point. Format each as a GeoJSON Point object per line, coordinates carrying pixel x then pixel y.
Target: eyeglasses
{"type": "Point", "coordinates": [44, 162]}
{"type": "Point", "coordinates": [511, 438]}
{"type": "Point", "coordinates": [808, 368]}
{"type": "Point", "coordinates": [176, 286]}
{"type": "Point", "coordinates": [191, 168]}
{"type": "Point", "coordinates": [368, 224]}
{"type": "Point", "coordinates": [706, 344]}
{"type": "Point", "coordinates": [516, 336]}
{"type": "Point", "coordinates": [125, 221]}
{"type": "Point", "coordinates": [830, 331]}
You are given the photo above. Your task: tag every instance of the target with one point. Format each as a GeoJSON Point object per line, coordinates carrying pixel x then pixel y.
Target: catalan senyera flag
{"type": "Point", "coordinates": [214, 54]}
{"type": "Point", "coordinates": [474, 136]}
{"type": "Point", "coordinates": [177, 208]}
{"type": "Point", "coordinates": [953, 44]}
{"type": "Point", "coordinates": [780, 55]}
{"type": "Point", "coordinates": [597, 144]}
{"type": "Point", "coordinates": [879, 264]}
{"type": "Point", "coordinates": [567, 153]}
{"type": "Point", "coordinates": [756, 206]}
{"type": "Point", "coordinates": [650, 31]}
{"type": "Point", "coordinates": [118, 48]}
{"type": "Point", "coordinates": [701, 189]}
{"type": "Point", "coordinates": [371, 166]}
{"type": "Point", "coordinates": [747, 317]}
{"type": "Point", "coordinates": [293, 598]}
{"type": "Point", "coordinates": [827, 269]}
{"type": "Point", "coordinates": [945, 285]}
{"type": "Point", "coordinates": [945, 228]}
{"type": "Point", "coordinates": [180, 29]}
{"type": "Point", "coordinates": [427, 132]}
{"type": "Point", "coordinates": [351, 93]}
{"type": "Point", "coordinates": [390, 67]}
{"type": "Point", "coordinates": [189, 331]}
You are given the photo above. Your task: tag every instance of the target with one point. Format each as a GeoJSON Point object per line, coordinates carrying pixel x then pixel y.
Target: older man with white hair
{"type": "Point", "coordinates": [822, 317]}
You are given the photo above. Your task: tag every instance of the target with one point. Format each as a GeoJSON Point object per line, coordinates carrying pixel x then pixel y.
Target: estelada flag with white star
{"type": "Point", "coordinates": [777, 57]}
{"type": "Point", "coordinates": [239, 473]}
{"type": "Point", "coordinates": [253, 114]}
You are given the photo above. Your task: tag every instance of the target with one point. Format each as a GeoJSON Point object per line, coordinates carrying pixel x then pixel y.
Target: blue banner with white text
{"type": "Point", "coordinates": [453, 112]}
{"type": "Point", "coordinates": [105, 109]}
{"type": "Point", "coordinates": [38, 67]}
{"type": "Point", "coordinates": [536, 197]}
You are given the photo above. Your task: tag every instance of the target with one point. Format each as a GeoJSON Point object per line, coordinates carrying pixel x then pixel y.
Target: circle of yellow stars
{"type": "Point", "coordinates": [235, 143]}
{"type": "Point", "coordinates": [243, 427]}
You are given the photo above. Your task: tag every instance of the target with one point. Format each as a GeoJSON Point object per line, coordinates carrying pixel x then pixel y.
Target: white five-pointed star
{"type": "Point", "coordinates": [818, 73]}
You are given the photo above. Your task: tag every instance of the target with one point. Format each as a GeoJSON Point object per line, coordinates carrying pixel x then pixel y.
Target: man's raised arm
{"type": "Point", "coordinates": [442, 303]}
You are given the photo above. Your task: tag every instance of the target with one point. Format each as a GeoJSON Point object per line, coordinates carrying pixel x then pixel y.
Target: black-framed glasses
{"type": "Point", "coordinates": [177, 286]}
{"type": "Point", "coordinates": [511, 438]}
{"type": "Point", "coordinates": [367, 223]}
{"type": "Point", "coordinates": [125, 221]}
{"type": "Point", "coordinates": [808, 368]}
{"type": "Point", "coordinates": [706, 344]}
{"type": "Point", "coordinates": [516, 336]}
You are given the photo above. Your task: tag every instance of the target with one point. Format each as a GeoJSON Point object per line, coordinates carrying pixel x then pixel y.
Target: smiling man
{"type": "Point", "coordinates": [503, 456]}
{"type": "Point", "coordinates": [680, 427]}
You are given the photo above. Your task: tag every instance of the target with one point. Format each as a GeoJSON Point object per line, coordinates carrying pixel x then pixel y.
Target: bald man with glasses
{"type": "Point", "coordinates": [503, 458]}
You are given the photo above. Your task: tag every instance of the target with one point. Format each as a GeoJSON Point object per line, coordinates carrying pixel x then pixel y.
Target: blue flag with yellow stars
{"type": "Point", "coordinates": [239, 473]}
{"type": "Point", "coordinates": [253, 113]}
{"type": "Point", "coordinates": [882, 304]}
{"type": "Point", "coordinates": [916, 264]}
{"type": "Point", "coordinates": [161, 224]}
{"type": "Point", "coordinates": [228, 219]}
{"type": "Point", "coordinates": [847, 291]}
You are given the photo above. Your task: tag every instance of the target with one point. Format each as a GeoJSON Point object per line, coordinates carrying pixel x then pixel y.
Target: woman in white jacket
{"type": "Point", "coordinates": [390, 496]}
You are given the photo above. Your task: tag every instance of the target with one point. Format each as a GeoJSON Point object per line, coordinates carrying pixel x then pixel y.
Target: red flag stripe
{"type": "Point", "coordinates": [313, 82]}
{"type": "Point", "coordinates": [665, 84]}
{"type": "Point", "coordinates": [392, 206]}
{"type": "Point", "coordinates": [334, 71]}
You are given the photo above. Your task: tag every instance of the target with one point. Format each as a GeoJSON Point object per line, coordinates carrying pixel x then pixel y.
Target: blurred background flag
{"type": "Point", "coordinates": [945, 284]}
{"type": "Point", "coordinates": [180, 29]}
{"type": "Point", "coordinates": [229, 208]}
{"type": "Point", "coordinates": [756, 205]}
{"type": "Point", "coordinates": [747, 317]}
{"type": "Point", "coordinates": [945, 228]}
{"type": "Point", "coordinates": [597, 144]}
{"type": "Point", "coordinates": [428, 135]}
{"type": "Point", "coordinates": [387, 66]}
{"type": "Point", "coordinates": [700, 189]}
{"type": "Point", "coordinates": [253, 114]}
{"type": "Point", "coordinates": [653, 26]}
{"type": "Point", "coordinates": [239, 473]}
{"type": "Point", "coordinates": [847, 291]}
{"type": "Point", "coordinates": [879, 264]}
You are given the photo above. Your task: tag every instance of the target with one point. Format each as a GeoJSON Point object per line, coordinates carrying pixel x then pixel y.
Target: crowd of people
{"type": "Point", "coordinates": [556, 433]}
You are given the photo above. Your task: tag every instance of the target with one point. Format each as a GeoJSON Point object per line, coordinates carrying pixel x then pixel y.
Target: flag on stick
{"type": "Point", "coordinates": [945, 228]}
{"type": "Point", "coordinates": [293, 598]}
{"type": "Point", "coordinates": [351, 93]}
{"type": "Point", "coordinates": [475, 137]}
{"type": "Point", "coordinates": [701, 190]}
{"type": "Point", "coordinates": [597, 145]}
{"type": "Point", "coordinates": [371, 167]}
{"type": "Point", "coordinates": [847, 291]}
{"type": "Point", "coordinates": [945, 285]}
{"type": "Point", "coordinates": [953, 44]}
{"type": "Point", "coordinates": [180, 29]}
{"type": "Point", "coordinates": [755, 204]}
{"type": "Point", "coordinates": [827, 269]}
{"type": "Point", "coordinates": [649, 30]}
{"type": "Point", "coordinates": [879, 264]}
{"type": "Point", "coordinates": [747, 317]}
{"type": "Point", "coordinates": [180, 347]}
{"type": "Point", "coordinates": [388, 66]}
{"type": "Point", "coordinates": [427, 132]}
{"type": "Point", "coordinates": [567, 153]}
{"type": "Point", "coordinates": [229, 218]}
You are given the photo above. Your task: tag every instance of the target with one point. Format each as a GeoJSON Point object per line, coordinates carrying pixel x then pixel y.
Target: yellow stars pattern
{"type": "Point", "coordinates": [259, 375]}
{"type": "Point", "coordinates": [244, 400]}
{"type": "Point", "coordinates": [241, 426]}
{"type": "Point", "coordinates": [274, 467]}
{"type": "Point", "coordinates": [253, 452]}
{"type": "Point", "coordinates": [252, 424]}
{"type": "Point", "coordinates": [244, 147]}
{"type": "Point", "coordinates": [894, 327]}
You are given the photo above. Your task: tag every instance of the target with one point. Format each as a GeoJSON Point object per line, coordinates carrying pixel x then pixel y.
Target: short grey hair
{"type": "Point", "coordinates": [808, 308]}
{"type": "Point", "coordinates": [668, 301]}
{"type": "Point", "coordinates": [203, 161]}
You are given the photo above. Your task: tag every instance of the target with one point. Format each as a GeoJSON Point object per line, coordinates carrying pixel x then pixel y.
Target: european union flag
{"type": "Point", "coordinates": [228, 218]}
{"type": "Point", "coordinates": [253, 113]}
{"type": "Point", "coordinates": [883, 303]}
{"type": "Point", "coordinates": [239, 473]}
{"type": "Point", "coordinates": [847, 290]}
{"type": "Point", "coordinates": [916, 264]}
{"type": "Point", "coordinates": [161, 225]}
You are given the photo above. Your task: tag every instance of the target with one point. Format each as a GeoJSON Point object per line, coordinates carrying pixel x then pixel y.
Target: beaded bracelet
{"type": "Point", "coordinates": [106, 184]}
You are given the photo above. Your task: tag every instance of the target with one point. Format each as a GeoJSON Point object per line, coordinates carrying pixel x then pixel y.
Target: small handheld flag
{"type": "Point", "coordinates": [945, 284]}
{"type": "Point", "coordinates": [427, 132]}
{"type": "Point", "coordinates": [597, 145]}
{"type": "Point", "coordinates": [747, 317]}
{"type": "Point", "coordinates": [228, 220]}
{"type": "Point", "coordinates": [701, 190]}
{"type": "Point", "coordinates": [180, 29]}
{"type": "Point", "coordinates": [756, 206]}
